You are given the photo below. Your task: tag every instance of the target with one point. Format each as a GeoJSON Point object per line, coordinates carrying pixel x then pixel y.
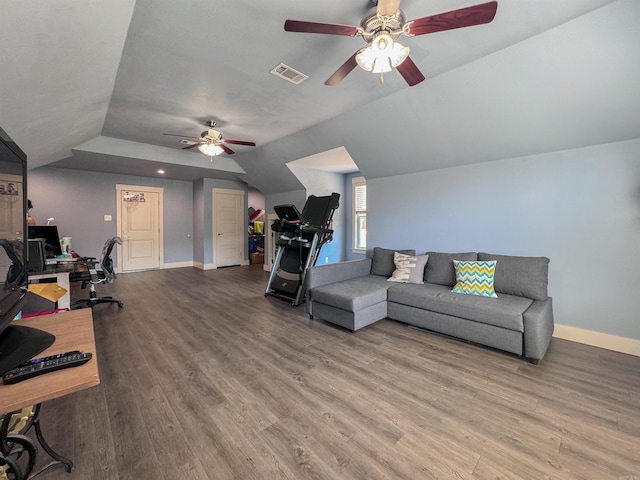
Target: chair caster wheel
{"type": "Point", "coordinates": [120, 304]}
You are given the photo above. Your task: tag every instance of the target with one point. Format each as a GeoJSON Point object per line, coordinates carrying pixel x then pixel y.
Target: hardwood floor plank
{"type": "Point", "coordinates": [204, 378]}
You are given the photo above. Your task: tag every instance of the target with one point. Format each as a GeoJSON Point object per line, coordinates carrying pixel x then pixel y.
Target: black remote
{"type": "Point", "coordinates": [33, 361]}
{"type": "Point", "coordinates": [58, 362]}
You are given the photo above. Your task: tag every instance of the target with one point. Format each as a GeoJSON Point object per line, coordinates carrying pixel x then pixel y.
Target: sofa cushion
{"type": "Point", "coordinates": [523, 276]}
{"type": "Point", "coordinates": [382, 262]}
{"type": "Point", "coordinates": [354, 294]}
{"type": "Point", "coordinates": [475, 278]}
{"type": "Point", "coordinates": [506, 311]}
{"type": "Point", "coordinates": [440, 267]}
{"type": "Point", "coordinates": [409, 268]}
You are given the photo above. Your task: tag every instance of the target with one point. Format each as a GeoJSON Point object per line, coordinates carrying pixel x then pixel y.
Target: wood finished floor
{"type": "Point", "coordinates": [203, 378]}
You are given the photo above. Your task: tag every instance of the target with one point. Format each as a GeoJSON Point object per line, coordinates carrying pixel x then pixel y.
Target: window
{"type": "Point", "coordinates": [359, 196]}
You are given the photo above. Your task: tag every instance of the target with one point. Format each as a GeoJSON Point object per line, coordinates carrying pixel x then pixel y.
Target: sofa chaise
{"type": "Point", "coordinates": [518, 318]}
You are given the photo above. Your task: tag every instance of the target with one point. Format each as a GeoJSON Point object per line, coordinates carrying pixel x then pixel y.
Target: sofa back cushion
{"type": "Point", "coordinates": [522, 276]}
{"type": "Point", "coordinates": [440, 268]}
{"type": "Point", "coordinates": [382, 262]}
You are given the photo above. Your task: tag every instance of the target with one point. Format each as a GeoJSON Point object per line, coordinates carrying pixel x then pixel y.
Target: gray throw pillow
{"type": "Point", "coordinates": [440, 269]}
{"type": "Point", "coordinates": [382, 262]}
{"type": "Point", "coordinates": [409, 268]}
{"type": "Point", "coordinates": [521, 276]}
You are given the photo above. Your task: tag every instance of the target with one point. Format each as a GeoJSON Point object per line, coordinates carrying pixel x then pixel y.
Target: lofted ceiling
{"type": "Point", "coordinates": [94, 85]}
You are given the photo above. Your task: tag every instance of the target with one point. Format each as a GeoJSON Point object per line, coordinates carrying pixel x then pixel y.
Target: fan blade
{"type": "Point", "coordinates": [314, 27]}
{"type": "Point", "coordinates": [388, 7]}
{"type": "Point", "coordinates": [183, 136]}
{"type": "Point", "coordinates": [226, 149]}
{"type": "Point", "coordinates": [464, 17]}
{"type": "Point", "coordinates": [239, 142]}
{"type": "Point", "coordinates": [410, 72]}
{"type": "Point", "coordinates": [198, 143]}
{"type": "Point", "coordinates": [343, 71]}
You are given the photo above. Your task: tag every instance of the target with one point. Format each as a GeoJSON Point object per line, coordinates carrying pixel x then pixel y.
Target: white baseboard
{"type": "Point", "coordinates": [630, 346]}
{"type": "Point", "coordinates": [176, 265]}
{"type": "Point", "coordinates": [204, 266]}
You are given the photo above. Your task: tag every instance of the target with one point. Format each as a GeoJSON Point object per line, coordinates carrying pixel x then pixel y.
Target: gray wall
{"type": "Point", "coordinates": [198, 222]}
{"type": "Point", "coordinates": [580, 208]}
{"type": "Point", "coordinates": [78, 200]}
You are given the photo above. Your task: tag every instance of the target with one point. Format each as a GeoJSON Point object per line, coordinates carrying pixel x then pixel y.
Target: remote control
{"type": "Point", "coordinates": [33, 361]}
{"type": "Point", "coordinates": [58, 362]}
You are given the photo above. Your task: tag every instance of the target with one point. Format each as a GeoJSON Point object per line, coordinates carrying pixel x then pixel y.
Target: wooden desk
{"type": "Point", "coordinates": [73, 331]}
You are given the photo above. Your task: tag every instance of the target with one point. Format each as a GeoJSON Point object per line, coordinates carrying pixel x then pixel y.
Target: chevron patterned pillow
{"type": "Point", "coordinates": [475, 278]}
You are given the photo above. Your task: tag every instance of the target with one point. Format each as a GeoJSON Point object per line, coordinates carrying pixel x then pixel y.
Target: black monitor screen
{"type": "Point", "coordinates": [51, 238]}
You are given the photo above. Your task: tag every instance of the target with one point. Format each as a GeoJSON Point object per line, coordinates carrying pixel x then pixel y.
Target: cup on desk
{"type": "Point", "coordinates": [65, 245]}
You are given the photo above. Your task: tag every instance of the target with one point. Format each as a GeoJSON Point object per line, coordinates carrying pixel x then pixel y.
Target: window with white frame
{"type": "Point", "coordinates": [359, 197]}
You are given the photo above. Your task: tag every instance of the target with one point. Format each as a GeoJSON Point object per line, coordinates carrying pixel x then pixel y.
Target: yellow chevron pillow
{"type": "Point", "coordinates": [475, 278]}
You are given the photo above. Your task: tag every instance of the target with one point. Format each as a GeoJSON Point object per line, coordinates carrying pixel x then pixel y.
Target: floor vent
{"type": "Point", "coordinates": [289, 74]}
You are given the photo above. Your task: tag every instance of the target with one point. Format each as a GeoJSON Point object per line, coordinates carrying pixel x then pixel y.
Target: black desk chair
{"type": "Point", "coordinates": [93, 276]}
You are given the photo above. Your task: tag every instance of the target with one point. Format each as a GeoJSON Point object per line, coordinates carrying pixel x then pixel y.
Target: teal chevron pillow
{"type": "Point", "coordinates": [475, 278]}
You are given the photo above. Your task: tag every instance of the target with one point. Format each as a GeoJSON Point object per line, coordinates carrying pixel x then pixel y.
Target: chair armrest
{"type": "Point", "coordinates": [336, 272]}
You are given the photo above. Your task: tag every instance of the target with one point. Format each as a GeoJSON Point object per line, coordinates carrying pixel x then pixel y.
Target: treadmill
{"type": "Point", "coordinates": [300, 239]}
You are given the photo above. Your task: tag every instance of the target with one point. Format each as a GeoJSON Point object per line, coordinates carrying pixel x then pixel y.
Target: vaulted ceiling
{"type": "Point", "coordinates": [94, 85]}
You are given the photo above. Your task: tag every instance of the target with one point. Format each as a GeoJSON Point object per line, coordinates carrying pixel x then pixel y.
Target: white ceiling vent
{"type": "Point", "coordinates": [289, 74]}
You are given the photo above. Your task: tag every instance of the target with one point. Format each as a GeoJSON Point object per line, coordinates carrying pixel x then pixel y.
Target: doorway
{"type": "Point", "coordinates": [228, 227]}
{"type": "Point", "coordinates": [139, 225]}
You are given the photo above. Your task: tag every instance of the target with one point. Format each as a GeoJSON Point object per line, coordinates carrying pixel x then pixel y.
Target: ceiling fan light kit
{"type": "Point", "coordinates": [382, 55]}
{"type": "Point", "coordinates": [382, 26]}
{"type": "Point", "coordinates": [210, 149]}
{"type": "Point", "coordinates": [210, 142]}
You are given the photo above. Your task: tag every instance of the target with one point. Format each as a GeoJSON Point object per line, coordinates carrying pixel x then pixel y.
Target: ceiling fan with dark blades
{"type": "Point", "coordinates": [210, 142]}
{"type": "Point", "coordinates": [382, 26]}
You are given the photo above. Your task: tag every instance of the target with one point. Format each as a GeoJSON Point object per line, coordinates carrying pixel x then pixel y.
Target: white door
{"type": "Point", "coordinates": [228, 222]}
{"type": "Point", "coordinates": [11, 211]}
{"type": "Point", "coordinates": [11, 220]}
{"type": "Point", "coordinates": [139, 227]}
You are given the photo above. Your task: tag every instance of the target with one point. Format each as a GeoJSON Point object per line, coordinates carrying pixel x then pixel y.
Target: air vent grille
{"type": "Point", "coordinates": [289, 74]}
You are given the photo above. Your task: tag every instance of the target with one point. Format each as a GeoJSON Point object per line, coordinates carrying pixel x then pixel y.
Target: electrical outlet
{"type": "Point", "coordinates": [326, 259]}
{"type": "Point", "coordinates": [107, 218]}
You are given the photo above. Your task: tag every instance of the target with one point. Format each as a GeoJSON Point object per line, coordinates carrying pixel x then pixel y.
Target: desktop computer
{"type": "Point", "coordinates": [36, 260]}
{"type": "Point", "coordinates": [51, 238]}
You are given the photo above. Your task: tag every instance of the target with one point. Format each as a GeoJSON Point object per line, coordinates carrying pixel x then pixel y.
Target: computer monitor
{"type": "Point", "coordinates": [17, 342]}
{"type": "Point", "coordinates": [51, 238]}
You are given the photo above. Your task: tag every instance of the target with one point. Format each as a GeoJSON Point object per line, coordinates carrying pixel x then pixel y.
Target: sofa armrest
{"type": "Point", "coordinates": [538, 328]}
{"type": "Point", "coordinates": [336, 272]}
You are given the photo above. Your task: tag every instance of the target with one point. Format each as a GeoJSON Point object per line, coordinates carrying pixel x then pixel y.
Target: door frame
{"type": "Point", "coordinates": [214, 227]}
{"type": "Point", "coordinates": [160, 191]}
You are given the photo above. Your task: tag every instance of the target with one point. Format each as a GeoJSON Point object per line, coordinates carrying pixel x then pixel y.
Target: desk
{"type": "Point", "coordinates": [60, 273]}
{"type": "Point", "coordinates": [73, 331]}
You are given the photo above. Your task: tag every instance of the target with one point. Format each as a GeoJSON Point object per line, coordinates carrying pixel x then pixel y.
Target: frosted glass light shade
{"type": "Point", "coordinates": [382, 55]}
{"type": "Point", "coordinates": [210, 149]}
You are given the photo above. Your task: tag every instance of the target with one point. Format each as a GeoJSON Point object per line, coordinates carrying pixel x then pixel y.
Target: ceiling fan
{"type": "Point", "coordinates": [210, 142]}
{"type": "Point", "coordinates": [380, 28]}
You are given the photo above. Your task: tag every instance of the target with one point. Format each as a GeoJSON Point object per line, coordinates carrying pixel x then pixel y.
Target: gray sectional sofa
{"type": "Point", "coordinates": [519, 319]}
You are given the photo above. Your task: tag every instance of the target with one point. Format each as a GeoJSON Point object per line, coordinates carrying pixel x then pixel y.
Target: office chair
{"type": "Point", "coordinates": [93, 276]}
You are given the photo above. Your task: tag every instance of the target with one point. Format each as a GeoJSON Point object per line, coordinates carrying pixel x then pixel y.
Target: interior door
{"type": "Point", "coordinates": [228, 232]}
{"type": "Point", "coordinates": [140, 229]}
{"type": "Point", "coordinates": [11, 220]}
